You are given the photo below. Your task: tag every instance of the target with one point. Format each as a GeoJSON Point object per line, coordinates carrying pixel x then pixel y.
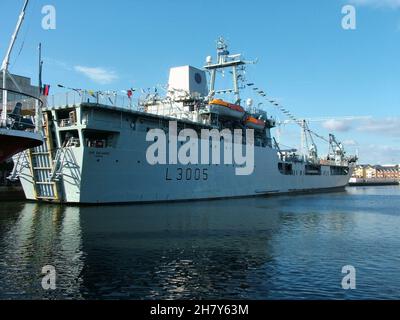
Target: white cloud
{"type": "Point", "coordinates": [383, 126]}
{"type": "Point", "coordinates": [350, 143]}
{"type": "Point", "coordinates": [379, 154]}
{"type": "Point", "coordinates": [387, 126]}
{"type": "Point", "coordinates": [337, 125]}
{"type": "Point", "coordinates": [393, 4]}
{"type": "Point", "coordinates": [98, 75]}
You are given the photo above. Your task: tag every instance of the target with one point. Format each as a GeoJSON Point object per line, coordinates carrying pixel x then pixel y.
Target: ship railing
{"type": "Point", "coordinates": [168, 110]}
{"type": "Point", "coordinates": [28, 105]}
{"type": "Point", "coordinates": [77, 97]}
{"type": "Point", "coordinates": [258, 112]}
{"type": "Point", "coordinates": [65, 123]}
{"type": "Point", "coordinates": [325, 162]}
{"type": "Point", "coordinates": [333, 163]}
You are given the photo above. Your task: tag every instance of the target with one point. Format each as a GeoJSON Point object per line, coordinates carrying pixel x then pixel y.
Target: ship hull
{"type": "Point", "coordinates": [110, 176]}
{"type": "Point", "coordinates": [13, 142]}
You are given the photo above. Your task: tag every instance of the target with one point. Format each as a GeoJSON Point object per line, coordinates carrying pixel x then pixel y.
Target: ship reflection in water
{"type": "Point", "coordinates": [284, 247]}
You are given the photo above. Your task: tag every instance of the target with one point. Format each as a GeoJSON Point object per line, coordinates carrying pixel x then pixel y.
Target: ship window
{"type": "Point", "coordinates": [66, 116]}
{"type": "Point", "coordinates": [339, 171]}
{"type": "Point", "coordinates": [313, 170]}
{"type": "Point", "coordinates": [285, 168]}
{"type": "Point", "coordinates": [100, 139]}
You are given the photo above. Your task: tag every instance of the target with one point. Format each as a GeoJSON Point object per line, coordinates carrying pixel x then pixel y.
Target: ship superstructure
{"type": "Point", "coordinates": [97, 144]}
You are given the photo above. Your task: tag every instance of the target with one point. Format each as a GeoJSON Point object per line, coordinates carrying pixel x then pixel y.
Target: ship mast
{"type": "Point", "coordinates": [6, 62]}
{"type": "Point", "coordinates": [224, 61]}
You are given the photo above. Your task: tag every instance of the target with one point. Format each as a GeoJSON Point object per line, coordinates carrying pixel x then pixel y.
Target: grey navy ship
{"type": "Point", "coordinates": [96, 144]}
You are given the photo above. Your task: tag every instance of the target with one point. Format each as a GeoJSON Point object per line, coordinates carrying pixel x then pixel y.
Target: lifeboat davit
{"type": "Point", "coordinates": [227, 110]}
{"type": "Point", "coordinates": [255, 124]}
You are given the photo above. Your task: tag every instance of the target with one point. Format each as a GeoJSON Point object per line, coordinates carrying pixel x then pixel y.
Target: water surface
{"type": "Point", "coordinates": [261, 248]}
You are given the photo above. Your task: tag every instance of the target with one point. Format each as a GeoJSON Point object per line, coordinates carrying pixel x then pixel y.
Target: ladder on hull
{"type": "Point", "coordinates": [41, 165]}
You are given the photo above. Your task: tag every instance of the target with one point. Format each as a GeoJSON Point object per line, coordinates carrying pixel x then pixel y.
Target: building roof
{"type": "Point", "coordinates": [380, 167]}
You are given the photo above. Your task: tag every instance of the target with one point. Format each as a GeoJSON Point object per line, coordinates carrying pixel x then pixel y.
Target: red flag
{"type": "Point", "coordinates": [46, 90]}
{"type": "Point", "coordinates": [130, 93]}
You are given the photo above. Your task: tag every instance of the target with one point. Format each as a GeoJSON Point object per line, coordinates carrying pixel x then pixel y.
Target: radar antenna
{"type": "Point", "coordinates": [224, 61]}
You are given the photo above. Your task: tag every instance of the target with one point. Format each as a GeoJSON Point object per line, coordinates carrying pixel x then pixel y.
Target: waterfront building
{"type": "Point", "coordinates": [377, 172]}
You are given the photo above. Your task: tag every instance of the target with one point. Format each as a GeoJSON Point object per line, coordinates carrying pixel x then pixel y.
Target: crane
{"type": "Point", "coordinates": [307, 134]}
{"type": "Point", "coordinates": [6, 62]}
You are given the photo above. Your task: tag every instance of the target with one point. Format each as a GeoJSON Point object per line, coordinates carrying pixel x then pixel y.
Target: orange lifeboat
{"type": "Point", "coordinates": [226, 110]}
{"type": "Point", "coordinates": [255, 124]}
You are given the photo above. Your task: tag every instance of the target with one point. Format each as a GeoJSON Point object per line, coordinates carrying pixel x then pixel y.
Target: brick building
{"type": "Point", "coordinates": [377, 172]}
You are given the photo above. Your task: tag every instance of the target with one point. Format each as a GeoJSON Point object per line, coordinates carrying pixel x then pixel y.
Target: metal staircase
{"type": "Point", "coordinates": [20, 162]}
{"type": "Point", "coordinates": [42, 164]}
{"type": "Point", "coordinates": [58, 164]}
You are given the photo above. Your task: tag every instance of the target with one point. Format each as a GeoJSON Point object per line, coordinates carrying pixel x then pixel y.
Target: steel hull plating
{"type": "Point", "coordinates": [13, 142]}
{"type": "Point", "coordinates": [104, 176]}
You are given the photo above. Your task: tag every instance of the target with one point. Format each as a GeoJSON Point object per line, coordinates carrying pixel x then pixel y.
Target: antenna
{"type": "Point", "coordinates": [226, 60]}
{"type": "Point", "coordinates": [37, 108]}
{"type": "Point", "coordinates": [40, 70]}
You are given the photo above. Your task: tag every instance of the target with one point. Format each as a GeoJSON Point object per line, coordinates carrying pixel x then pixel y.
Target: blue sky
{"type": "Point", "coordinates": [306, 59]}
